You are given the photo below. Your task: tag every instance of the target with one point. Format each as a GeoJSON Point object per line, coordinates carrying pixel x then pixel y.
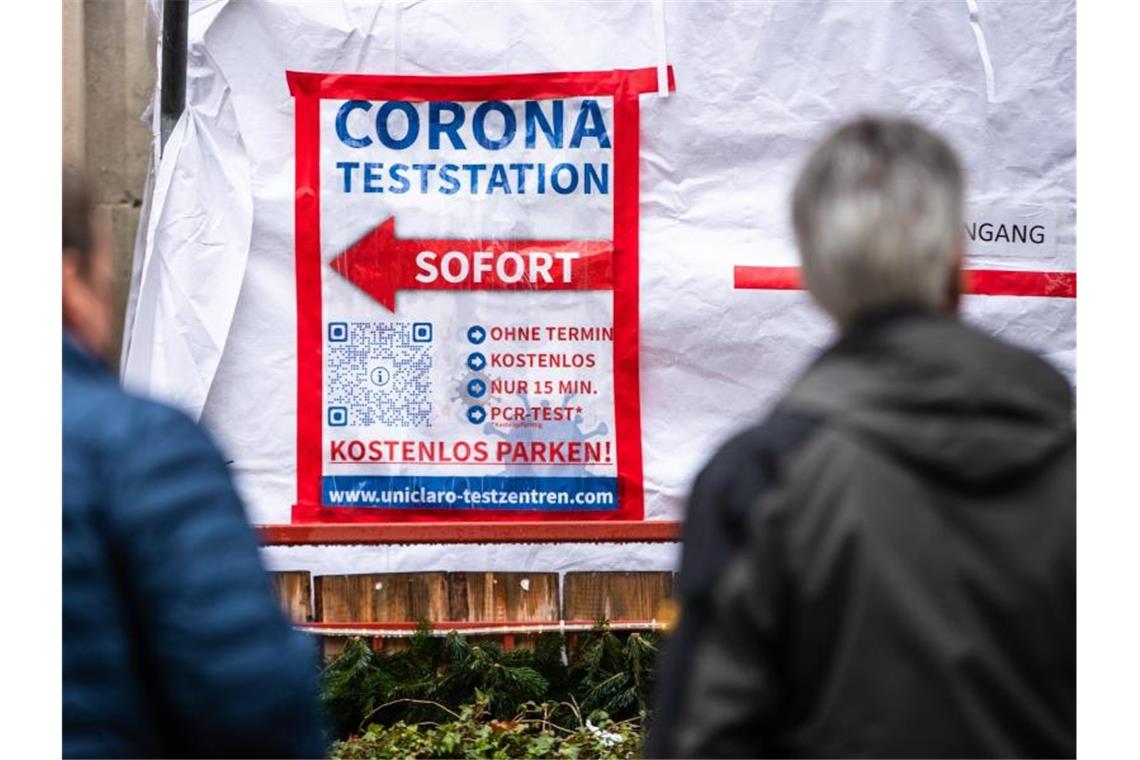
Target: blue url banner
{"type": "Point", "coordinates": [470, 492]}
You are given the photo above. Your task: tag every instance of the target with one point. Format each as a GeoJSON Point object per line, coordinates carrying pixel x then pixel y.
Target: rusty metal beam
{"type": "Point", "coordinates": [614, 531]}
{"type": "Point", "coordinates": [407, 629]}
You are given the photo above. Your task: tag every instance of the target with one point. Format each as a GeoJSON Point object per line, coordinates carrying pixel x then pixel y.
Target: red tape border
{"type": "Point", "coordinates": [978, 282]}
{"type": "Point", "coordinates": [308, 89]}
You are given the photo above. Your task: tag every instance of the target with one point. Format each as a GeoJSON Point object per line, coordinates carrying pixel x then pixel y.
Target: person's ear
{"type": "Point", "coordinates": [70, 279]}
{"type": "Point", "coordinates": [75, 294]}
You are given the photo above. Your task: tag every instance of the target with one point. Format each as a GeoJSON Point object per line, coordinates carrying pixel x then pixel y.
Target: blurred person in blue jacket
{"type": "Point", "coordinates": [173, 643]}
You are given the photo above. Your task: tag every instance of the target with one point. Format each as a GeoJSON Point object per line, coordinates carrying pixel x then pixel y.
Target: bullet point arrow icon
{"type": "Point", "coordinates": [381, 263]}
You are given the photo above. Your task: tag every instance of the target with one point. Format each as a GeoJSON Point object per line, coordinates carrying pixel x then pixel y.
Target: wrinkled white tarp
{"type": "Point", "coordinates": [757, 84]}
{"type": "Point", "coordinates": [197, 241]}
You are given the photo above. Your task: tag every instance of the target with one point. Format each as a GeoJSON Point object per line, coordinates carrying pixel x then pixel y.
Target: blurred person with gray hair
{"type": "Point", "coordinates": [886, 566]}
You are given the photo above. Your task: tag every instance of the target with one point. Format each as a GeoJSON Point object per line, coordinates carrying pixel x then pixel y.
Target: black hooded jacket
{"type": "Point", "coordinates": [887, 566]}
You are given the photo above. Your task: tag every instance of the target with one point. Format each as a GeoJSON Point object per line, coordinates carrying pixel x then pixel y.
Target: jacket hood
{"type": "Point", "coordinates": [941, 396]}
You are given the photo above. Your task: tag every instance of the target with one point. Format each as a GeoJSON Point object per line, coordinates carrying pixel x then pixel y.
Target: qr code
{"type": "Point", "coordinates": [379, 373]}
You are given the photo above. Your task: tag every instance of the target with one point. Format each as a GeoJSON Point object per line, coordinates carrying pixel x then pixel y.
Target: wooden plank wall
{"type": "Point", "coordinates": [293, 591]}
{"type": "Point", "coordinates": [471, 596]}
{"type": "Point", "coordinates": [615, 596]}
{"type": "Point", "coordinates": [500, 597]}
{"type": "Point", "coordinates": [383, 597]}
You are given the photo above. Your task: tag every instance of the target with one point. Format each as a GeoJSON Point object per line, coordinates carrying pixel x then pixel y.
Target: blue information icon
{"type": "Point", "coordinates": [476, 415]}
{"type": "Point", "coordinates": [476, 362]}
{"type": "Point", "coordinates": [476, 334]}
{"type": "Point", "coordinates": [476, 388]}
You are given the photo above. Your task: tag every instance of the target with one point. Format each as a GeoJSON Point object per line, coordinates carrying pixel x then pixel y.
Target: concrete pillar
{"type": "Point", "coordinates": [108, 77]}
{"type": "Point", "coordinates": [74, 108]}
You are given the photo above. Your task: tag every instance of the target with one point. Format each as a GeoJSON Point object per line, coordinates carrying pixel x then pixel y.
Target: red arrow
{"type": "Point", "coordinates": [381, 263]}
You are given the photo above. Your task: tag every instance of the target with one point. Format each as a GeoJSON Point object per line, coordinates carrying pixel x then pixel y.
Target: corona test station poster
{"type": "Point", "coordinates": [467, 293]}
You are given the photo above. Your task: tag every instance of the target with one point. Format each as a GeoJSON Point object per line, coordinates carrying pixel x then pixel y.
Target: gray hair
{"type": "Point", "coordinates": [877, 212]}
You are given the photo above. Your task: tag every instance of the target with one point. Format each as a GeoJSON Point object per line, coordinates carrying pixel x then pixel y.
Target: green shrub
{"type": "Point", "coordinates": [451, 689]}
{"type": "Point", "coordinates": [472, 733]}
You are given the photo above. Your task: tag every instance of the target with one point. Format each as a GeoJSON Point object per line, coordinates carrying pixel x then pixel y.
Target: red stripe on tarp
{"type": "Point", "coordinates": [977, 282]}
{"type": "Point", "coordinates": [626, 293]}
{"type": "Point", "coordinates": [998, 282]}
{"type": "Point", "coordinates": [307, 235]}
{"type": "Point", "coordinates": [767, 278]}
{"type": "Point", "coordinates": [540, 86]}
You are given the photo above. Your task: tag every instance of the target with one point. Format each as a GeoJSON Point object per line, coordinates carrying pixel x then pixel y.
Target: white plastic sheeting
{"type": "Point", "coordinates": [757, 84]}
